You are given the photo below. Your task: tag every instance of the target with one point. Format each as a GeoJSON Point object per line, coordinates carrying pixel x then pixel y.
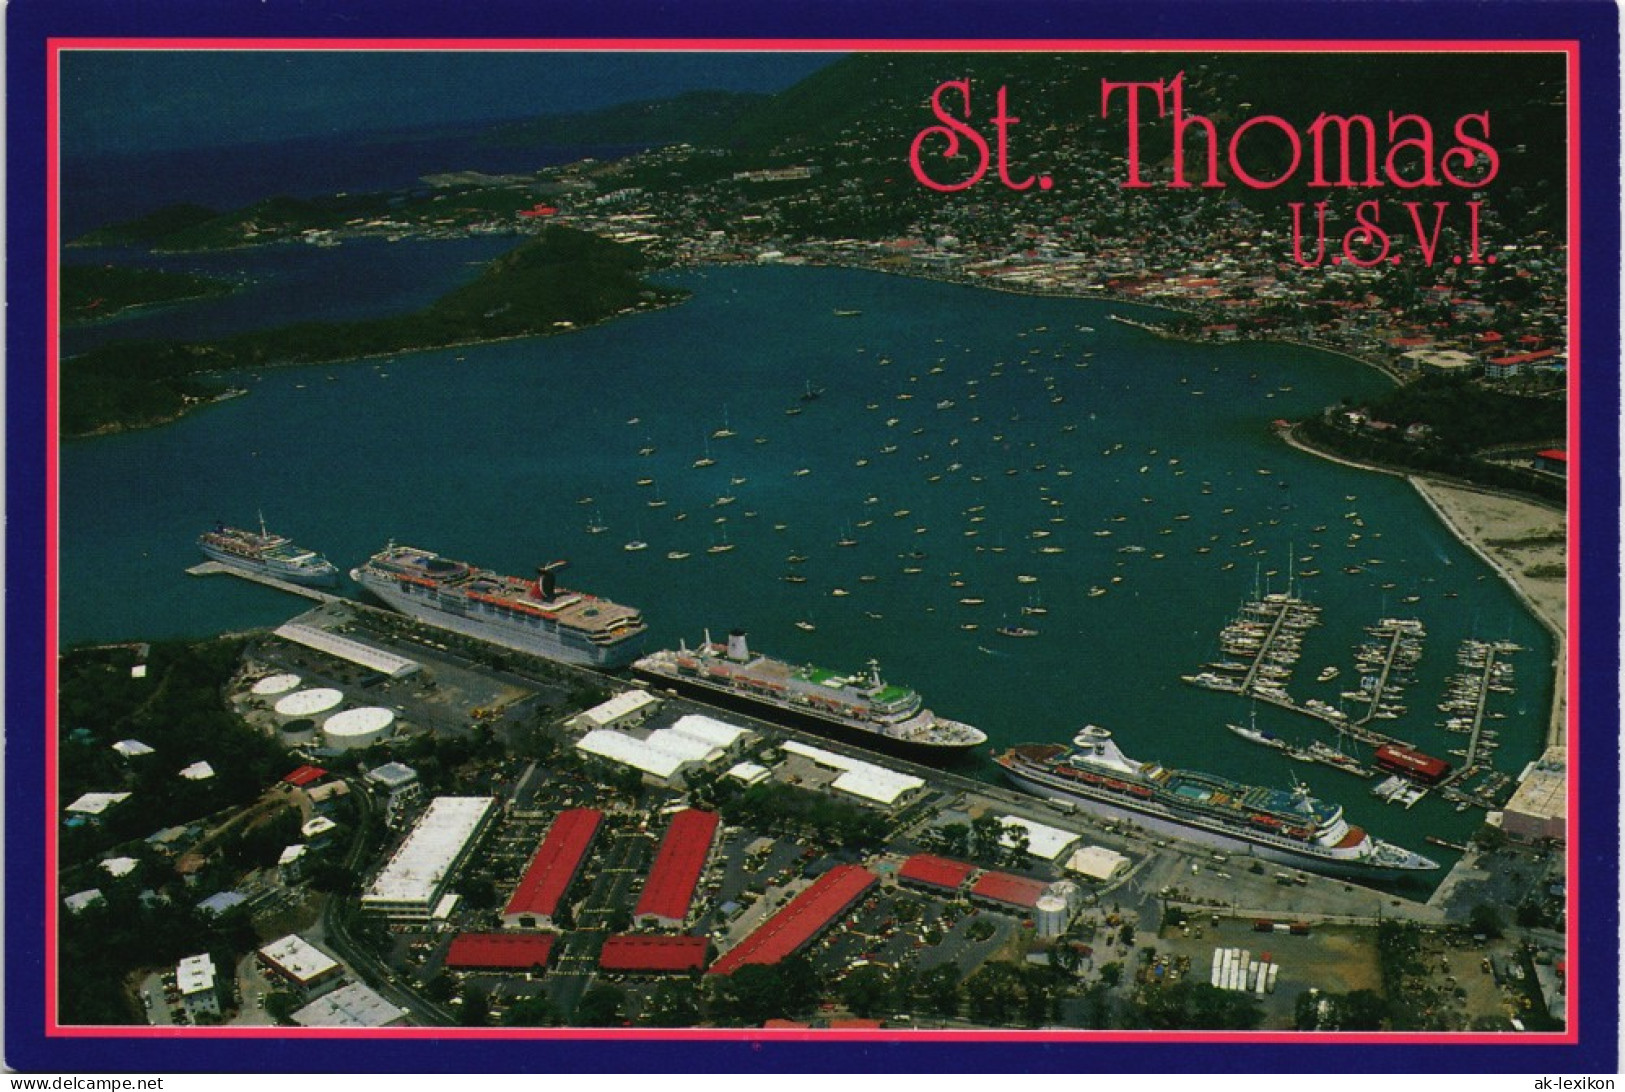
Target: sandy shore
{"type": "Point", "coordinates": [1528, 545]}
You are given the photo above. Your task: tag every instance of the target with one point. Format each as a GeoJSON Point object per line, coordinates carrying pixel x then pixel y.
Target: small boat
{"type": "Point", "coordinates": [806, 627]}
{"type": "Point", "coordinates": [677, 555]}
{"type": "Point", "coordinates": [1016, 631]}
{"type": "Point", "coordinates": [635, 545]}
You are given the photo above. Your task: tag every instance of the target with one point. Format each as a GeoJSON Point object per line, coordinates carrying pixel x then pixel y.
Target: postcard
{"type": "Point", "coordinates": [1055, 543]}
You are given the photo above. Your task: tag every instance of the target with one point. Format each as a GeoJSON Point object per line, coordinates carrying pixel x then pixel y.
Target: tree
{"type": "Point", "coordinates": [937, 990]}
{"type": "Point", "coordinates": [954, 839]}
{"type": "Point", "coordinates": [475, 1011]}
{"type": "Point", "coordinates": [603, 1006]}
{"type": "Point", "coordinates": [1485, 918]}
{"type": "Point", "coordinates": [671, 1005]}
{"type": "Point", "coordinates": [994, 992]}
{"type": "Point", "coordinates": [531, 1012]}
{"type": "Point", "coordinates": [280, 1005]}
{"type": "Point", "coordinates": [867, 991]}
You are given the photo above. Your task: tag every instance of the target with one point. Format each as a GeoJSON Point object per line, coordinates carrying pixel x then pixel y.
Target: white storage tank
{"type": "Point", "coordinates": [304, 703]}
{"type": "Point", "coordinates": [356, 729]}
{"type": "Point", "coordinates": [273, 685]}
{"type": "Point", "coordinates": [1052, 916]}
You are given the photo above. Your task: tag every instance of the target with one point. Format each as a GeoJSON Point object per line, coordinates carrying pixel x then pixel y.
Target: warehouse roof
{"type": "Point", "coordinates": [556, 862]}
{"type": "Point", "coordinates": [706, 730]}
{"type": "Point", "coordinates": [935, 871]}
{"type": "Point", "coordinates": [677, 867]}
{"type": "Point", "coordinates": [660, 758]}
{"type": "Point", "coordinates": [1044, 842]}
{"type": "Point", "coordinates": [500, 951]}
{"type": "Point", "coordinates": [801, 919]}
{"type": "Point", "coordinates": [640, 952]}
{"type": "Point", "coordinates": [1097, 863]}
{"type": "Point", "coordinates": [417, 869]}
{"type": "Point", "coordinates": [344, 648]}
{"type": "Point", "coordinates": [132, 748]}
{"type": "Point", "coordinates": [1011, 890]}
{"type": "Point", "coordinates": [304, 775]}
{"type": "Point", "coordinates": [860, 778]}
{"type": "Point", "coordinates": [621, 705]}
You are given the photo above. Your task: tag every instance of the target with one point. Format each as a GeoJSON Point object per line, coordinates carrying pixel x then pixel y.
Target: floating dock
{"type": "Point", "coordinates": [212, 568]}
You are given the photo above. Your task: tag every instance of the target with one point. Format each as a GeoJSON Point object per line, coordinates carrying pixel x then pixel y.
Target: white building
{"type": "Point", "coordinates": [352, 1006]}
{"type": "Point", "coordinates": [300, 964]}
{"type": "Point", "coordinates": [865, 780]}
{"type": "Point", "coordinates": [1097, 863]}
{"type": "Point", "coordinates": [199, 986]}
{"type": "Point", "coordinates": [411, 883]}
{"type": "Point", "coordinates": [626, 710]}
{"type": "Point", "coordinates": [1044, 842]}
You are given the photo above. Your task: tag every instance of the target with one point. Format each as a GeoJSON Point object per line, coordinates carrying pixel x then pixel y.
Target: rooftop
{"type": "Point", "coordinates": [801, 919]}
{"type": "Point", "coordinates": [677, 867]}
{"type": "Point", "coordinates": [641, 952]}
{"type": "Point", "coordinates": [298, 958]}
{"type": "Point", "coordinates": [420, 866]}
{"type": "Point", "coordinates": [500, 951]}
{"type": "Point", "coordinates": [557, 860]}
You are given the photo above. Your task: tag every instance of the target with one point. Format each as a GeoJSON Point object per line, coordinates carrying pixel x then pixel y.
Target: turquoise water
{"type": "Point", "coordinates": [1144, 461]}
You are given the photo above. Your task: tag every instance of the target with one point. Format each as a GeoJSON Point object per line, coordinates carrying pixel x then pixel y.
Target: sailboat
{"type": "Point", "coordinates": [720, 547]}
{"type": "Point", "coordinates": [706, 460]}
{"type": "Point", "coordinates": [1036, 606]}
{"type": "Point", "coordinates": [725, 431]}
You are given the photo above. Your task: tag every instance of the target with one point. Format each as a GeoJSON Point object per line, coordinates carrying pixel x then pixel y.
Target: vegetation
{"type": "Point", "coordinates": [562, 279]}
{"type": "Point", "coordinates": [1194, 1005]}
{"type": "Point", "coordinates": [788, 810]}
{"type": "Point", "coordinates": [177, 710]}
{"type": "Point", "coordinates": [91, 292]}
{"type": "Point", "coordinates": [757, 993]}
{"type": "Point", "coordinates": [1462, 418]}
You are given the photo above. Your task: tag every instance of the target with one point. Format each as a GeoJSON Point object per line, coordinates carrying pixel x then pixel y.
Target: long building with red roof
{"type": "Point", "coordinates": [642, 953]}
{"type": "Point", "coordinates": [802, 919]}
{"type": "Point", "coordinates": [1001, 887]}
{"type": "Point", "coordinates": [669, 891]}
{"type": "Point", "coordinates": [937, 873]}
{"type": "Point", "coordinates": [558, 859]}
{"type": "Point", "coordinates": [499, 951]}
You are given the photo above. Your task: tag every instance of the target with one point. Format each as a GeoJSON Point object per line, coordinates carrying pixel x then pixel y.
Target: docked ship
{"type": "Point", "coordinates": [272, 555]}
{"type": "Point", "coordinates": [1286, 826]}
{"type": "Point", "coordinates": [863, 710]}
{"type": "Point", "coordinates": [535, 616]}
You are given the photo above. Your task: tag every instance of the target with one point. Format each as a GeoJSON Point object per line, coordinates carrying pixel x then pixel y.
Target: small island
{"type": "Point", "coordinates": [562, 280]}
{"type": "Point", "coordinates": [95, 293]}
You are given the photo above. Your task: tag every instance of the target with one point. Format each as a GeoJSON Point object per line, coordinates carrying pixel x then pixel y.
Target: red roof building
{"type": "Point", "coordinates": [683, 852]}
{"type": "Point", "coordinates": [1413, 764]}
{"type": "Point", "coordinates": [499, 951]}
{"type": "Point", "coordinates": [304, 775]}
{"type": "Point", "coordinates": [558, 859]}
{"type": "Point", "coordinates": [928, 870]}
{"type": "Point", "coordinates": [639, 952]}
{"type": "Point", "coordinates": [1017, 891]}
{"type": "Point", "coordinates": [855, 1023]}
{"type": "Point", "coordinates": [802, 919]}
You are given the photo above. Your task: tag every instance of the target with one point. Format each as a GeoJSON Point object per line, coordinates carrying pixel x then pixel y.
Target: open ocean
{"type": "Point", "coordinates": [978, 437]}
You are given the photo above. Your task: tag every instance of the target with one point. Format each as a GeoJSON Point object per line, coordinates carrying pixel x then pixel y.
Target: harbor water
{"type": "Point", "coordinates": [945, 461]}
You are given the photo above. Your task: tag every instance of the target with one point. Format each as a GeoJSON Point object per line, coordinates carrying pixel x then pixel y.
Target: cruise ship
{"type": "Point", "coordinates": [1288, 827]}
{"type": "Point", "coordinates": [272, 555]}
{"type": "Point", "coordinates": [535, 616]}
{"type": "Point", "coordinates": [863, 709]}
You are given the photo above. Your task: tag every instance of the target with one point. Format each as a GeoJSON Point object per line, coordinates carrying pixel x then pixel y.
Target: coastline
{"type": "Point", "coordinates": [1512, 536]}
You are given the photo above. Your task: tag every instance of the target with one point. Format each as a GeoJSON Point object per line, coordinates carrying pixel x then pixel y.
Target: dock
{"type": "Point", "coordinates": [212, 568]}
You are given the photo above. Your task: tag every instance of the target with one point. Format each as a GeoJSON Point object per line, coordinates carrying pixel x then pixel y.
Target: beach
{"type": "Point", "coordinates": [1527, 544]}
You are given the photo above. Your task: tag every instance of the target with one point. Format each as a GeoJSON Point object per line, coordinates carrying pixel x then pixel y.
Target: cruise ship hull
{"type": "Point", "coordinates": [806, 719]}
{"type": "Point", "coordinates": [1193, 828]}
{"type": "Point", "coordinates": [305, 576]}
{"type": "Point", "coordinates": [549, 643]}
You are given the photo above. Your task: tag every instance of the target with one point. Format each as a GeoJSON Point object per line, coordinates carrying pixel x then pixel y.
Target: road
{"type": "Point", "coordinates": [624, 861]}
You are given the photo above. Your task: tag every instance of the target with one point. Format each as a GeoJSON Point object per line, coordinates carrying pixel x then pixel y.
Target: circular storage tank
{"type": "Point", "coordinates": [1068, 892]}
{"type": "Point", "coordinates": [1052, 916]}
{"type": "Point", "coordinates": [305, 703]}
{"type": "Point", "coordinates": [275, 684]}
{"type": "Point", "coordinates": [355, 729]}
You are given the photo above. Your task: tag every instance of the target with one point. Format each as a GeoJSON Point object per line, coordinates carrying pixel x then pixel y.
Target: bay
{"type": "Point", "coordinates": [978, 437]}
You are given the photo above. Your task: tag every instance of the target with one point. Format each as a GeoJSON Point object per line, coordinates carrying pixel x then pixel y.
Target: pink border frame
{"type": "Point", "coordinates": [54, 48]}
